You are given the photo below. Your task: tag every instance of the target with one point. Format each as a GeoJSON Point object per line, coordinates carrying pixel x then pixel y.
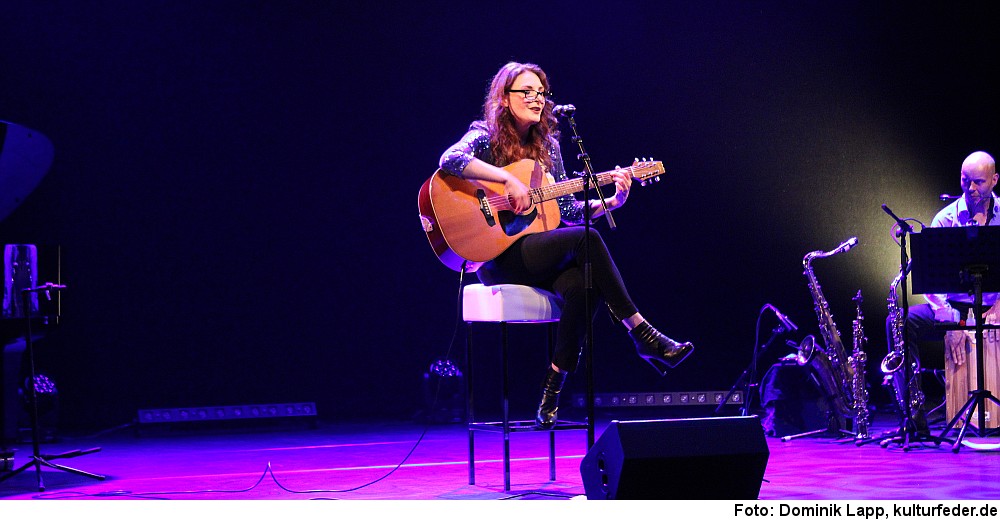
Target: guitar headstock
{"type": "Point", "coordinates": [647, 171]}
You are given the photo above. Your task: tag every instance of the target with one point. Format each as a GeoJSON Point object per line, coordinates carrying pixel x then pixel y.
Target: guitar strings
{"type": "Point", "coordinates": [543, 191]}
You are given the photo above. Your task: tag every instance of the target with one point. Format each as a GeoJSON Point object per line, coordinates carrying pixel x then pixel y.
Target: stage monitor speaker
{"type": "Point", "coordinates": [682, 459]}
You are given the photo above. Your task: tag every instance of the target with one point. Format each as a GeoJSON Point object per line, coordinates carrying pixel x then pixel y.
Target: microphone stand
{"type": "Point", "coordinates": [749, 374]}
{"type": "Point", "coordinates": [589, 179]}
{"type": "Point", "coordinates": [38, 459]}
{"type": "Point", "coordinates": [907, 432]}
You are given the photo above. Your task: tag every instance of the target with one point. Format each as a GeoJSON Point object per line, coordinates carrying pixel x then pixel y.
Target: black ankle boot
{"type": "Point", "coordinates": [658, 350]}
{"type": "Point", "coordinates": [549, 407]}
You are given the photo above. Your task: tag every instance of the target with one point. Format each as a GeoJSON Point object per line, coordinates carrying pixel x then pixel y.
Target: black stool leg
{"type": "Point", "coordinates": [506, 410]}
{"type": "Point", "coordinates": [551, 329]}
{"type": "Point", "coordinates": [469, 414]}
{"type": "Point", "coordinates": [552, 455]}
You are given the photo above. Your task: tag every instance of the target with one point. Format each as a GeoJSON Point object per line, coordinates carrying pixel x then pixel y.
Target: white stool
{"type": "Point", "coordinates": [503, 304]}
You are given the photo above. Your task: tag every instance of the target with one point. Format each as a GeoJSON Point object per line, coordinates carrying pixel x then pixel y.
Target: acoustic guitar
{"type": "Point", "coordinates": [474, 221]}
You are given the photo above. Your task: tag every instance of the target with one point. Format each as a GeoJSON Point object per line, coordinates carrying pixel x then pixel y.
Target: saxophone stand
{"type": "Point", "coordinates": [833, 429]}
{"type": "Point", "coordinates": [907, 433]}
{"type": "Point", "coordinates": [589, 180]}
{"type": "Point", "coordinates": [38, 459]}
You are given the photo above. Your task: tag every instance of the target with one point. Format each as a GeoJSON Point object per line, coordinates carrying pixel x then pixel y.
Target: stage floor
{"type": "Point", "coordinates": [405, 460]}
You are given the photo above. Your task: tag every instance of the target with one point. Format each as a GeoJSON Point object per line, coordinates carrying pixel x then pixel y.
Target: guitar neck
{"type": "Point", "coordinates": [569, 187]}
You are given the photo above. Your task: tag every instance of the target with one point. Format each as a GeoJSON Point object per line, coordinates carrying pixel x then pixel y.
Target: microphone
{"type": "Point", "coordinates": [783, 319]}
{"type": "Point", "coordinates": [946, 197]}
{"type": "Point", "coordinates": [563, 110]}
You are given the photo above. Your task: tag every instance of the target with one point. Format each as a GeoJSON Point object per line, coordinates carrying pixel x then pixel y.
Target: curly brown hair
{"type": "Point", "coordinates": [506, 143]}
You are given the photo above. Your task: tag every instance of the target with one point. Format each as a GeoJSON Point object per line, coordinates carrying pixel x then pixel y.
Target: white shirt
{"type": "Point", "coordinates": [956, 214]}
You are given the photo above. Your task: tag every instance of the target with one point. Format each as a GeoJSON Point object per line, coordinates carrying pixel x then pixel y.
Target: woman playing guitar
{"type": "Point", "coordinates": [518, 124]}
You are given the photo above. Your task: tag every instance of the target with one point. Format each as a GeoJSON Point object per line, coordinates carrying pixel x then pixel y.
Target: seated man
{"type": "Point", "coordinates": [976, 207]}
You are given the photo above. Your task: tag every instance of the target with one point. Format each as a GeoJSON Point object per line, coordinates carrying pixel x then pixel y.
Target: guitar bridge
{"type": "Point", "coordinates": [484, 206]}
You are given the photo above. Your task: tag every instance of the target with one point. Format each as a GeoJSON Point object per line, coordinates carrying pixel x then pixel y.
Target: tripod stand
{"type": "Point", "coordinates": [969, 251]}
{"type": "Point", "coordinates": [908, 431]}
{"type": "Point", "coordinates": [979, 396]}
{"type": "Point", "coordinates": [37, 458]}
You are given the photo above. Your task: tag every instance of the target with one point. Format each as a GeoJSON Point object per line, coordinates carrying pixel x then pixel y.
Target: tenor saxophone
{"type": "Point", "coordinates": [895, 361]}
{"type": "Point", "coordinates": [834, 370]}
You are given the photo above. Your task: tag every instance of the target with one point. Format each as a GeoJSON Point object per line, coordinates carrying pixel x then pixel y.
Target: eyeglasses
{"type": "Point", "coordinates": [531, 95]}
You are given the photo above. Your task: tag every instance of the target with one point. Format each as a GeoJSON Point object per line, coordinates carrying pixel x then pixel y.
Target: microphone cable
{"type": "Point", "coordinates": [160, 495]}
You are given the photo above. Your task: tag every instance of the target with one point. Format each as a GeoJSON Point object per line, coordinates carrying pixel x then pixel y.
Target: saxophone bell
{"type": "Point", "coordinates": [892, 362]}
{"type": "Point", "coordinates": [811, 355]}
{"type": "Point", "coordinates": [806, 350]}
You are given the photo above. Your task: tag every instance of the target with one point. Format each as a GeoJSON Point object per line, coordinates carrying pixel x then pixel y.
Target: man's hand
{"type": "Point", "coordinates": [991, 337]}
{"type": "Point", "coordinates": [946, 314]}
{"type": "Point", "coordinates": [955, 345]}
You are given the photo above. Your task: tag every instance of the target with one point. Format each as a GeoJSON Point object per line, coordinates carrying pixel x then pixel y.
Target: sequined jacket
{"type": "Point", "coordinates": [475, 144]}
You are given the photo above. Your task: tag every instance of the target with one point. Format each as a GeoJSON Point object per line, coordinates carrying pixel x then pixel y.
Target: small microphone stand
{"type": "Point", "coordinates": [588, 179]}
{"type": "Point", "coordinates": [38, 459]}
{"type": "Point", "coordinates": [746, 379]}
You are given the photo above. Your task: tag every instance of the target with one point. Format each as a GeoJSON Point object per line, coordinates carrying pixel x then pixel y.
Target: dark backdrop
{"type": "Point", "coordinates": [234, 185]}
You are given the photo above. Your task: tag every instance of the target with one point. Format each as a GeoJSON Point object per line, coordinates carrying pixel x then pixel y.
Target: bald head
{"type": "Point", "coordinates": [979, 176]}
{"type": "Point", "coordinates": [979, 162]}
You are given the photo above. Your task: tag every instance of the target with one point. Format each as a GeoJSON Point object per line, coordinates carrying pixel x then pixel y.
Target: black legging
{"type": "Point", "coordinates": [553, 260]}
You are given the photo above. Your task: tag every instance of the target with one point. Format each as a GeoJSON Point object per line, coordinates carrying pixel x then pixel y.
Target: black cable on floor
{"type": "Point", "coordinates": [267, 469]}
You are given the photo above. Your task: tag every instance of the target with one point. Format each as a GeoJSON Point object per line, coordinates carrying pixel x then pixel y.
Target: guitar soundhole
{"type": "Point", "coordinates": [513, 223]}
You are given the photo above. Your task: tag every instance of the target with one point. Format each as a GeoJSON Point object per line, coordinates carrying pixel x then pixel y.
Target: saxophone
{"type": "Point", "coordinates": [894, 361]}
{"type": "Point", "coordinates": [859, 387]}
{"type": "Point", "coordinates": [834, 370]}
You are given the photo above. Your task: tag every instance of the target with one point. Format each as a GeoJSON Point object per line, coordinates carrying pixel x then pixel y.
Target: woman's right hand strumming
{"type": "Point", "coordinates": [517, 194]}
{"type": "Point", "coordinates": [516, 191]}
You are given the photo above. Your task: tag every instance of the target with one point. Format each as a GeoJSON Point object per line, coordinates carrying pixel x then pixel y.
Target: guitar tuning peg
{"type": "Point", "coordinates": [636, 160]}
{"type": "Point", "coordinates": [643, 183]}
{"type": "Point", "coordinates": [656, 179]}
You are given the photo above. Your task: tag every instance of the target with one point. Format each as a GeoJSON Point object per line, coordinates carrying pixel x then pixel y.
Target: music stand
{"type": "Point", "coordinates": [908, 431]}
{"type": "Point", "coordinates": [37, 458]}
{"type": "Point", "coordinates": [959, 259]}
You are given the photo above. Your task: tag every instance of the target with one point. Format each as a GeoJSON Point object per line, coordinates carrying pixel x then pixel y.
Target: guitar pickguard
{"type": "Point", "coordinates": [512, 223]}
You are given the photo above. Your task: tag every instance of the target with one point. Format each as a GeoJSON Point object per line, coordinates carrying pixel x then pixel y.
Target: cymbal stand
{"type": "Point", "coordinates": [37, 458]}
